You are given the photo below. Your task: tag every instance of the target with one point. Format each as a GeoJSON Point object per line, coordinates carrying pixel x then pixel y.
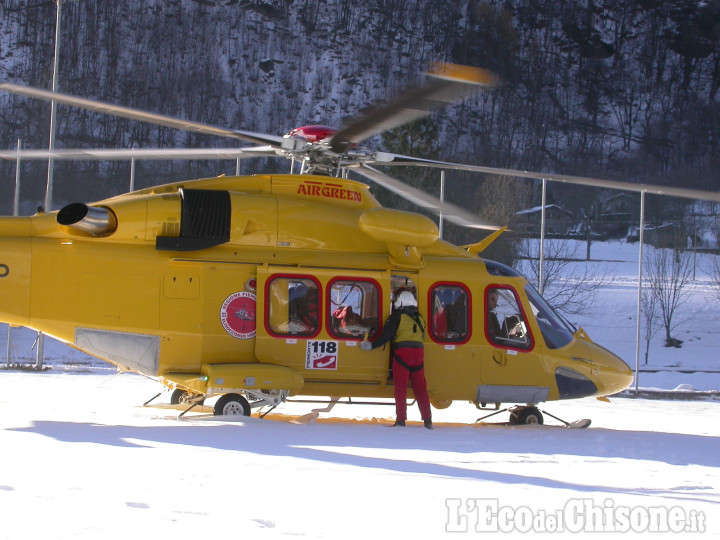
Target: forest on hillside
{"type": "Point", "coordinates": [622, 89]}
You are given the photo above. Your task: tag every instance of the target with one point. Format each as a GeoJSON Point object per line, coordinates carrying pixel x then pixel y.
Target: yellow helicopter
{"type": "Point", "coordinates": [258, 288]}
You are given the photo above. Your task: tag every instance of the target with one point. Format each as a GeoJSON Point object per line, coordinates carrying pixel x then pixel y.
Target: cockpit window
{"type": "Point", "coordinates": [495, 268]}
{"type": "Point", "coordinates": [505, 323]}
{"type": "Point", "coordinates": [555, 330]}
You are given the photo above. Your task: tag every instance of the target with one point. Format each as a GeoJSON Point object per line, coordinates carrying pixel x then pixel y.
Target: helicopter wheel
{"type": "Point", "coordinates": [232, 404]}
{"type": "Point", "coordinates": [183, 397]}
{"type": "Point", "coordinates": [526, 415]}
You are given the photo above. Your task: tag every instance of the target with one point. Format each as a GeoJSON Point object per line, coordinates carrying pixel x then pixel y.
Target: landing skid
{"type": "Point", "coordinates": [191, 407]}
{"type": "Point", "coordinates": [310, 417]}
{"type": "Point", "coordinates": [241, 402]}
{"type": "Point", "coordinates": [152, 399]}
{"type": "Point", "coordinates": [529, 414]}
{"type": "Point", "coordinates": [577, 424]}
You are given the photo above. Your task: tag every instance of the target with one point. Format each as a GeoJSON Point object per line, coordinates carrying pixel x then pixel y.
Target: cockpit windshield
{"type": "Point", "coordinates": [555, 330]}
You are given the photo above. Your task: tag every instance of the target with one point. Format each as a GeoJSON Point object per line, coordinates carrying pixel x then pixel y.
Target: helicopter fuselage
{"type": "Point", "coordinates": [268, 284]}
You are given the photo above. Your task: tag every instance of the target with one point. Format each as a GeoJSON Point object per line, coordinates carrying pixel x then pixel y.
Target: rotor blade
{"type": "Point", "coordinates": [449, 83]}
{"type": "Point", "coordinates": [655, 189]}
{"type": "Point", "coordinates": [86, 154]}
{"type": "Point", "coordinates": [143, 116]}
{"type": "Point", "coordinates": [451, 212]}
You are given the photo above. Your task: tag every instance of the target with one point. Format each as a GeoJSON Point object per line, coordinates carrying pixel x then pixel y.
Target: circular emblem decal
{"type": "Point", "coordinates": [237, 315]}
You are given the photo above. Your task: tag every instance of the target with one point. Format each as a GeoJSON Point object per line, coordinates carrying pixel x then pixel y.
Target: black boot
{"type": "Point", "coordinates": [399, 423]}
{"type": "Point", "coordinates": [428, 423]}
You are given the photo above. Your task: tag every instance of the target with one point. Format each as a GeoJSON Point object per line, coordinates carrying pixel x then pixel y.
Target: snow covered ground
{"type": "Point", "coordinates": [81, 457]}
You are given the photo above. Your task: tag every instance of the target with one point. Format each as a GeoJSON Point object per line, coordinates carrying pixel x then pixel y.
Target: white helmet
{"type": "Point", "coordinates": [405, 299]}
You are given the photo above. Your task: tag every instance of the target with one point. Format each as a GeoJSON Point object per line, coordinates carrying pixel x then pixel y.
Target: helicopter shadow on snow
{"type": "Point", "coordinates": [344, 445]}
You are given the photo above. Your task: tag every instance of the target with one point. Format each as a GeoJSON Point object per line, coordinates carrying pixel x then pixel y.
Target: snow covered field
{"type": "Point", "coordinates": [81, 457]}
{"type": "Point", "coordinates": [612, 319]}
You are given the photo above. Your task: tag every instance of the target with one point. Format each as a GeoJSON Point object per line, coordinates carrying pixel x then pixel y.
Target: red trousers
{"type": "Point", "coordinates": [411, 357]}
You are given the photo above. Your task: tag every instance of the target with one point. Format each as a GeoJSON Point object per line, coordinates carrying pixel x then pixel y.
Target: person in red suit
{"type": "Point", "coordinates": [405, 329]}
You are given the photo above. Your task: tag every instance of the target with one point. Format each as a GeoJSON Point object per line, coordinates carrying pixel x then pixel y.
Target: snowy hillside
{"type": "Point", "coordinates": [604, 89]}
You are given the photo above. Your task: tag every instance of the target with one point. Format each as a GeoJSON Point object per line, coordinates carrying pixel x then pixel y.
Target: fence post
{"type": "Point", "coordinates": [9, 346]}
{"type": "Point", "coordinates": [442, 199]}
{"type": "Point", "coordinates": [542, 235]}
{"type": "Point", "coordinates": [639, 300]}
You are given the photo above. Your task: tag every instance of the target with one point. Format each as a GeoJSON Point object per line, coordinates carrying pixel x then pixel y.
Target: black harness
{"type": "Point", "coordinates": [403, 363]}
{"type": "Point", "coordinates": [410, 344]}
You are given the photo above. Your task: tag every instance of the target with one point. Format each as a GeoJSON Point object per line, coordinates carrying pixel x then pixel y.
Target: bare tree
{"type": "Point", "coordinates": [498, 199]}
{"type": "Point", "coordinates": [650, 318]}
{"type": "Point", "coordinates": [715, 276]}
{"type": "Point", "coordinates": [715, 262]}
{"type": "Point", "coordinates": [669, 273]}
{"type": "Point", "coordinates": [567, 288]}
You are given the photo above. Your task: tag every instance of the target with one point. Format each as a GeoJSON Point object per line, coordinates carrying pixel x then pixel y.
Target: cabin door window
{"type": "Point", "coordinates": [449, 306]}
{"type": "Point", "coordinates": [354, 308]}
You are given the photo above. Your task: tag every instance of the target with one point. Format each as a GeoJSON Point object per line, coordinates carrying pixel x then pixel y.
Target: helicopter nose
{"type": "Point", "coordinates": [613, 376]}
{"type": "Point", "coordinates": [593, 371]}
